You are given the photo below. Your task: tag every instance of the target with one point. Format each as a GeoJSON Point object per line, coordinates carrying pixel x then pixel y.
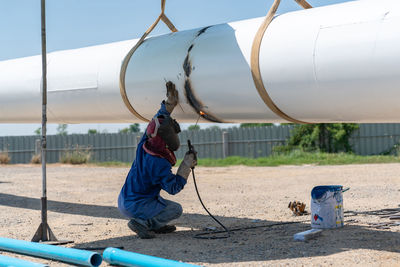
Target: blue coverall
{"type": "Point", "coordinates": [140, 196]}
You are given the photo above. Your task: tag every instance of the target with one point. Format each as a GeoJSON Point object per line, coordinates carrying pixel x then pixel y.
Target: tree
{"type": "Point", "coordinates": [38, 131]}
{"type": "Point", "coordinates": [243, 125]}
{"type": "Point", "coordinates": [327, 137]}
{"type": "Point", "coordinates": [214, 127]}
{"type": "Point", "coordinates": [133, 128]}
{"type": "Point", "coordinates": [125, 130]}
{"type": "Point", "coordinates": [92, 131]}
{"type": "Point", "coordinates": [194, 127]}
{"type": "Point", "coordinates": [62, 129]}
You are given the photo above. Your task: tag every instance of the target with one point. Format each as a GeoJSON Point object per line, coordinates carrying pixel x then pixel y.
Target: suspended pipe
{"type": "Point", "coordinates": [68, 255]}
{"type": "Point", "coordinates": [337, 63]}
{"type": "Point", "coordinates": [9, 262]}
{"type": "Point", "coordinates": [125, 258]}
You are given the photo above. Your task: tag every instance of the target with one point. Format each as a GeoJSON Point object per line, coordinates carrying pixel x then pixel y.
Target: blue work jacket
{"type": "Point", "coordinates": [140, 195]}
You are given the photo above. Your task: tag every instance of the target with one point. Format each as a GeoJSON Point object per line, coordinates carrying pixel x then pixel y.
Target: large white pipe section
{"type": "Point", "coordinates": [339, 63]}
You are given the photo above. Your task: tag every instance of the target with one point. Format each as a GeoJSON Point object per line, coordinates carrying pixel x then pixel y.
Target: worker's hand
{"type": "Point", "coordinates": [172, 97]}
{"type": "Point", "coordinates": [191, 157]}
{"type": "Point", "coordinates": [188, 163]}
{"type": "Point", "coordinates": [194, 152]}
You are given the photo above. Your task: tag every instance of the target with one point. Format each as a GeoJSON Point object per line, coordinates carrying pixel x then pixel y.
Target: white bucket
{"type": "Point", "coordinates": [327, 206]}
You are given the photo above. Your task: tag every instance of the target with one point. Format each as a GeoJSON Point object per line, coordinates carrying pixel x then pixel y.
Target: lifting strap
{"type": "Point", "coordinates": [125, 62]}
{"type": "Point", "coordinates": [255, 61]}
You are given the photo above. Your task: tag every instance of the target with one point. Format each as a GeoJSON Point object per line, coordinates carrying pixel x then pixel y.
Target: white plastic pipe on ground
{"type": "Point", "coordinates": [338, 63]}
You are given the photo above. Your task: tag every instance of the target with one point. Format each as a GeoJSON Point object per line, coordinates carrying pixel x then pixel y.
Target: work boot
{"type": "Point", "coordinates": [166, 229]}
{"type": "Point", "coordinates": [141, 230]}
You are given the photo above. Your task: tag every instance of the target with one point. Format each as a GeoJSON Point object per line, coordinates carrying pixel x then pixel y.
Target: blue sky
{"type": "Point", "coordinates": [79, 23]}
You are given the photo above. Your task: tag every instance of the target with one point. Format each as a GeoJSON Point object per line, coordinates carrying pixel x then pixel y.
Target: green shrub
{"type": "Point", "coordinates": [76, 156]}
{"type": "Point", "coordinates": [325, 137]}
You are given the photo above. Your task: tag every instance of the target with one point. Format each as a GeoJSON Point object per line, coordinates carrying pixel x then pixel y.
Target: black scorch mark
{"type": "Point", "coordinates": [191, 98]}
{"type": "Point", "coordinates": [202, 31]}
{"type": "Point", "coordinates": [187, 66]}
{"type": "Point", "coordinates": [196, 104]}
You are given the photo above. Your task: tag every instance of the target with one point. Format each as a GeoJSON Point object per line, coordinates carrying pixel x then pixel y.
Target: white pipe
{"type": "Point", "coordinates": [339, 63]}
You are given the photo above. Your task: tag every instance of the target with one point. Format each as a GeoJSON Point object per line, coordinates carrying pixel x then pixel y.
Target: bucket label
{"type": "Point", "coordinates": [316, 217]}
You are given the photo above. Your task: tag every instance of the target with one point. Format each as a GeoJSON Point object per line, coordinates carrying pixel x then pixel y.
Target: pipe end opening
{"type": "Point", "coordinates": [96, 260]}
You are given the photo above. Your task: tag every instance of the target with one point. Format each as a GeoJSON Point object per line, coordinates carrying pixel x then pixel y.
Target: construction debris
{"type": "Point", "coordinates": [298, 208]}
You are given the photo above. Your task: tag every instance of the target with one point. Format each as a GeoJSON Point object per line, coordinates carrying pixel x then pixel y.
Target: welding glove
{"type": "Point", "coordinates": [188, 162]}
{"type": "Point", "coordinates": [172, 97]}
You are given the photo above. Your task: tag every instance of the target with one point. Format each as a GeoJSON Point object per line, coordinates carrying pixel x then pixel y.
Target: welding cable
{"type": "Point", "coordinates": [213, 234]}
{"type": "Point", "coordinates": [208, 235]}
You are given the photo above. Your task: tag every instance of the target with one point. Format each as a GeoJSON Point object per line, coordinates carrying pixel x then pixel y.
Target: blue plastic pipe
{"type": "Point", "coordinates": [126, 258]}
{"type": "Point", "coordinates": [9, 261]}
{"type": "Point", "coordinates": [69, 255]}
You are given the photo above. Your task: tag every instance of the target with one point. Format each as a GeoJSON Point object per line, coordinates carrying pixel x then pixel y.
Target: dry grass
{"type": "Point", "coordinates": [36, 159]}
{"type": "Point", "coordinates": [77, 156]}
{"type": "Point", "coordinates": [4, 157]}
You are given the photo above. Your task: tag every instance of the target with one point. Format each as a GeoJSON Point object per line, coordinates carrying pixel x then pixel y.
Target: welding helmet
{"type": "Point", "coordinates": [167, 128]}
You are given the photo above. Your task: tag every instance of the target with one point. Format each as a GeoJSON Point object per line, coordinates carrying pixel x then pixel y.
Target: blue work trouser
{"type": "Point", "coordinates": [172, 211]}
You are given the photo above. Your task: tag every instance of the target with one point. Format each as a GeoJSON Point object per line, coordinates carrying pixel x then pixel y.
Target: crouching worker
{"type": "Point", "coordinates": [140, 198]}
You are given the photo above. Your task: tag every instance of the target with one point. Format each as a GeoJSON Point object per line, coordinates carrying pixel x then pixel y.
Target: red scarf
{"type": "Point", "coordinates": [157, 147]}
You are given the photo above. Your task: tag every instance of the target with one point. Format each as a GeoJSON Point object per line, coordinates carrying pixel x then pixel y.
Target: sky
{"type": "Point", "coordinates": [78, 23]}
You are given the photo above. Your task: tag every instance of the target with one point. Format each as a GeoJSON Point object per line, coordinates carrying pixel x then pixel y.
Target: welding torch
{"type": "Point", "coordinates": [191, 150]}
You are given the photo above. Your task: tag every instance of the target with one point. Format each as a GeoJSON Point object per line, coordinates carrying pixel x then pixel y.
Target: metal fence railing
{"type": "Point", "coordinates": [210, 143]}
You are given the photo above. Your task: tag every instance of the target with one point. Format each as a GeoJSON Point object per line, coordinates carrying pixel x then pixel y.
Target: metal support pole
{"type": "Point", "coordinates": [225, 144]}
{"type": "Point", "coordinates": [44, 233]}
{"type": "Point", "coordinates": [38, 146]}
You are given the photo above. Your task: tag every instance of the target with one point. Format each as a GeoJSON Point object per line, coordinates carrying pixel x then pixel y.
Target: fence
{"type": "Point", "coordinates": [210, 143]}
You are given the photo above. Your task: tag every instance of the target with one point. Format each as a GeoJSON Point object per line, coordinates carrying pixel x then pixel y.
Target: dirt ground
{"type": "Point", "coordinates": [82, 208]}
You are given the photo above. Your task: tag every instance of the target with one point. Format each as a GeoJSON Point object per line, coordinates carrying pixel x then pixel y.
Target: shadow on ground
{"type": "Point", "coordinates": [260, 244]}
{"type": "Point", "coordinates": [60, 206]}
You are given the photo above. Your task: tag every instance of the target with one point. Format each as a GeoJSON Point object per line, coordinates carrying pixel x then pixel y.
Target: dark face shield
{"type": "Point", "coordinates": [168, 131]}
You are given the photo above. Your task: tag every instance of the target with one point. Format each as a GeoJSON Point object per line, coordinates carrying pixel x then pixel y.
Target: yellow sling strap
{"type": "Point", "coordinates": [255, 61]}
{"type": "Point", "coordinates": [125, 62]}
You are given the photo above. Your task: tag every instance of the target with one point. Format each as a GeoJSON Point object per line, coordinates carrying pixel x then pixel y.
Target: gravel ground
{"type": "Point", "coordinates": [82, 208]}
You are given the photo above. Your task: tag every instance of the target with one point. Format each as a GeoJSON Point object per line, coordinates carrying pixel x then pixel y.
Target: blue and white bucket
{"type": "Point", "coordinates": [327, 206]}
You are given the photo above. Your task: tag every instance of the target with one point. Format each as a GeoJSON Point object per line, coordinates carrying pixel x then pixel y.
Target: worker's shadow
{"type": "Point", "coordinates": [260, 244]}
{"type": "Point", "coordinates": [60, 206]}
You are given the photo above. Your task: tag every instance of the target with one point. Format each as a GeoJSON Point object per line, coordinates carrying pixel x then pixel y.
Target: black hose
{"type": "Point", "coordinates": [226, 231]}
{"type": "Point", "coordinates": [207, 235]}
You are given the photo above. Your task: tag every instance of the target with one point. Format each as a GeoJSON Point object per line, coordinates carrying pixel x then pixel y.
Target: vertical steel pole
{"type": "Point", "coordinates": [44, 232]}
{"type": "Point", "coordinates": [225, 144]}
{"type": "Point", "coordinates": [44, 117]}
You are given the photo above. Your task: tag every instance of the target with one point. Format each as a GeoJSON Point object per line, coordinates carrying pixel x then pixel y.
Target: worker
{"type": "Point", "coordinates": [150, 172]}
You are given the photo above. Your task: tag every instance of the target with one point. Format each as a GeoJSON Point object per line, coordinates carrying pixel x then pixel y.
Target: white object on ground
{"type": "Point", "coordinates": [307, 235]}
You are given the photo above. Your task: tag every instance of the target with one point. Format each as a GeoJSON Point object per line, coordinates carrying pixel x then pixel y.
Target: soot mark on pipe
{"type": "Point", "coordinates": [191, 98]}
{"type": "Point", "coordinates": [196, 103]}
{"type": "Point", "coordinates": [202, 31]}
{"type": "Point", "coordinates": [187, 66]}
